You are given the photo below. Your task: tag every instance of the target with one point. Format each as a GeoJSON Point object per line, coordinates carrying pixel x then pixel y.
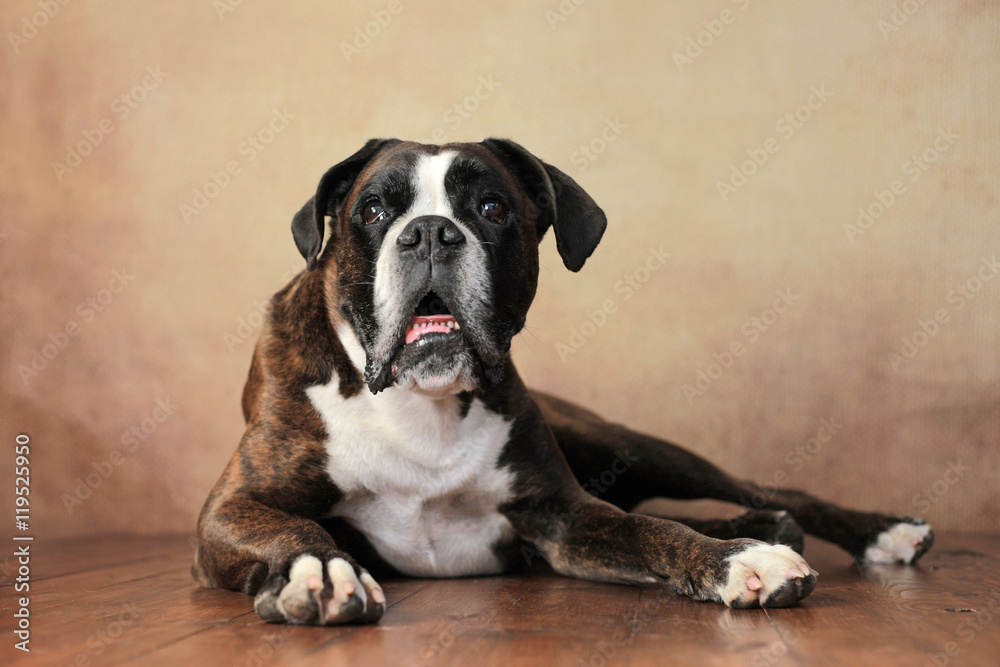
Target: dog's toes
{"type": "Point", "coordinates": [300, 599]}
{"type": "Point", "coordinates": [376, 599]}
{"type": "Point", "coordinates": [793, 590]}
{"type": "Point", "coordinates": [293, 598]}
{"type": "Point", "coordinates": [312, 593]}
{"type": "Point", "coordinates": [903, 542]}
{"type": "Point", "coordinates": [349, 599]}
{"type": "Point", "coordinates": [766, 575]}
{"type": "Point", "coordinates": [266, 601]}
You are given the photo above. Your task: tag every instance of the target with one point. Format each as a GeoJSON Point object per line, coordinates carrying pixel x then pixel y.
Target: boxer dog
{"type": "Point", "coordinates": [387, 429]}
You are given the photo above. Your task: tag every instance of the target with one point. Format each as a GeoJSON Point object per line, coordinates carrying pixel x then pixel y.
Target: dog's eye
{"type": "Point", "coordinates": [494, 209]}
{"type": "Point", "coordinates": [373, 212]}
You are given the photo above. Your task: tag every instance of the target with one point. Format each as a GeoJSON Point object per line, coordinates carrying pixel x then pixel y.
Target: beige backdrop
{"type": "Point", "coordinates": [154, 153]}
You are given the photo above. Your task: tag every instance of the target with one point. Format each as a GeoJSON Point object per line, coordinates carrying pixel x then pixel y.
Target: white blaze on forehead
{"type": "Point", "coordinates": [428, 176]}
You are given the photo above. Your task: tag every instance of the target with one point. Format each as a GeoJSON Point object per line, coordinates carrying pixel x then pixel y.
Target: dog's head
{"type": "Point", "coordinates": [433, 251]}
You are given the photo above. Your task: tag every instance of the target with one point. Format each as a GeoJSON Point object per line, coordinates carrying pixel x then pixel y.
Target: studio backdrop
{"type": "Point", "coordinates": [799, 278]}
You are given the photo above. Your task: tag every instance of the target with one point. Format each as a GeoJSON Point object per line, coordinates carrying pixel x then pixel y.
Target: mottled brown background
{"type": "Point", "coordinates": [556, 85]}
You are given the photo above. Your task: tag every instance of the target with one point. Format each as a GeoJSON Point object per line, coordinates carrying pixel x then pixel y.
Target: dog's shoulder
{"type": "Point", "coordinates": [298, 347]}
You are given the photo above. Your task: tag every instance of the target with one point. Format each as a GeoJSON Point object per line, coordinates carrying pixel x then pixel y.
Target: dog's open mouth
{"type": "Point", "coordinates": [431, 321]}
{"type": "Point", "coordinates": [432, 355]}
{"type": "Point", "coordinates": [434, 352]}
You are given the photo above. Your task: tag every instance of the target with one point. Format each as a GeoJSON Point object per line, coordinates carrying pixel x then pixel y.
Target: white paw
{"type": "Point", "coordinates": [767, 575]}
{"type": "Point", "coordinates": [307, 596]}
{"type": "Point", "coordinates": [902, 543]}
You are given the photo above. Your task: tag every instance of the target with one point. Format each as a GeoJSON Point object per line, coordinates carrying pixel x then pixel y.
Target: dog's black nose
{"type": "Point", "coordinates": [431, 236]}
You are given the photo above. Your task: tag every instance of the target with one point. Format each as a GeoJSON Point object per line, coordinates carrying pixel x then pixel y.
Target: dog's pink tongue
{"type": "Point", "coordinates": [425, 324]}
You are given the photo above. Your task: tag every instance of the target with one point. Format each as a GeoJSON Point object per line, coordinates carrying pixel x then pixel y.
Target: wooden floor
{"type": "Point", "coordinates": [122, 600]}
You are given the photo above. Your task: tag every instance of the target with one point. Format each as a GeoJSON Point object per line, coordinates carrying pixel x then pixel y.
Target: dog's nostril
{"type": "Point", "coordinates": [409, 238]}
{"type": "Point", "coordinates": [451, 235]}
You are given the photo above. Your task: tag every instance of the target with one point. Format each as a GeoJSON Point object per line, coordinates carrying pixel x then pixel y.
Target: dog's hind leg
{"type": "Point", "coordinates": [625, 468]}
{"type": "Point", "coordinates": [774, 526]}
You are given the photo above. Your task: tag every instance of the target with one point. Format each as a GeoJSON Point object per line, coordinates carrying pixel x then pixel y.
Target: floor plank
{"type": "Point", "coordinates": [58, 558]}
{"type": "Point", "coordinates": [124, 600]}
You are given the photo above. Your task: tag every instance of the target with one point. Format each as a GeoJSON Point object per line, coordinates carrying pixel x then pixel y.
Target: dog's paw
{"type": "Point", "coordinates": [904, 540]}
{"type": "Point", "coordinates": [766, 575]}
{"type": "Point", "coordinates": [315, 591]}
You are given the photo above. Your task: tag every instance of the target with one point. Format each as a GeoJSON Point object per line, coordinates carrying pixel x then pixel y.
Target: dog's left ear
{"type": "Point", "coordinates": [308, 224]}
{"type": "Point", "coordinates": [560, 202]}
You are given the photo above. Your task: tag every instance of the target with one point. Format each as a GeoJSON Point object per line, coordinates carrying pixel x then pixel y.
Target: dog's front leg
{"type": "Point", "coordinates": [290, 563]}
{"type": "Point", "coordinates": [583, 537]}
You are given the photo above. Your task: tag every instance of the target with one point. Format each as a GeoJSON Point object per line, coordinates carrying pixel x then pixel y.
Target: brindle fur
{"type": "Point", "coordinates": [271, 503]}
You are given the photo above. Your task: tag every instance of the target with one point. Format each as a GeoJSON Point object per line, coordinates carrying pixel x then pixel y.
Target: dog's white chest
{"type": "Point", "coordinates": [419, 480]}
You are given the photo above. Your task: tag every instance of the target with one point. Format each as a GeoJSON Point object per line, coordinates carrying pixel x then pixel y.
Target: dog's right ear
{"type": "Point", "coordinates": [308, 224]}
